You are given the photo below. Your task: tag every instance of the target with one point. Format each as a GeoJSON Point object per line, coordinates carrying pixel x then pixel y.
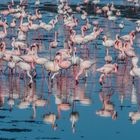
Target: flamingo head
{"type": "Point", "coordinates": [2, 45]}
{"type": "Point", "coordinates": [13, 39]}
{"type": "Point", "coordinates": [21, 16]}
{"type": "Point", "coordinates": [86, 1]}
{"type": "Point", "coordinates": [132, 34]}
{"type": "Point", "coordinates": [104, 38]}
{"type": "Point", "coordinates": [33, 47]}
{"type": "Point", "coordinates": [9, 6]}
{"type": "Point", "coordinates": [117, 36]}
{"type": "Point", "coordinates": [101, 30]}
{"type": "Point", "coordinates": [57, 59]}
{"type": "Point", "coordinates": [75, 49]}
{"type": "Point", "coordinates": [71, 31]}
{"type": "Point", "coordinates": [84, 28]}
{"type": "Point", "coordinates": [95, 23]}
{"type": "Point", "coordinates": [11, 58]}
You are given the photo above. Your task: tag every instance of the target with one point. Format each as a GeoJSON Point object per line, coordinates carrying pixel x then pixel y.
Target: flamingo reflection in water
{"type": "Point", "coordinates": [108, 109]}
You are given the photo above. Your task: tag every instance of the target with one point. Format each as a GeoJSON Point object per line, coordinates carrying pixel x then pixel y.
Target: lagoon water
{"type": "Point", "coordinates": [19, 124]}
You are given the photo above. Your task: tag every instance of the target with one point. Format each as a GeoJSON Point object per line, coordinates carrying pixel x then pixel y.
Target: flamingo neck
{"type": "Point", "coordinates": [5, 30]}
{"type": "Point", "coordinates": [116, 69]}
{"type": "Point", "coordinates": [9, 7]}
{"type": "Point", "coordinates": [55, 37]}
{"type": "Point", "coordinates": [21, 21]}
{"type": "Point", "coordinates": [83, 33]}
{"type": "Point", "coordinates": [4, 47]}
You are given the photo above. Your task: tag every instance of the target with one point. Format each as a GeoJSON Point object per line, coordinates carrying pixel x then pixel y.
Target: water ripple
{"type": "Point", "coordinates": [15, 130]}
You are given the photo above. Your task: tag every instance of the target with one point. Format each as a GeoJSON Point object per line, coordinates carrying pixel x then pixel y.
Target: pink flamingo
{"type": "Point", "coordinates": [106, 70]}
{"type": "Point", "coordinates": [84, 66]}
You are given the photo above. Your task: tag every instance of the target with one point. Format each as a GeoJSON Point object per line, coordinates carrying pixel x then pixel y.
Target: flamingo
{"type": "Point", "coordinates": [18, 44]}
{"type": "Point", "coordinates": [48, 26]}
{"type": "Point", "coordinates": [118, 43]}
{"type": "Point", "coordinates": [9, 52]}
{"type": "Point", "coordinates": [76, 39]}
{"type": "Point", "coordinates": [21, 35]}
{"type": "Point", "coordinates": [129, 37]}
{"type": "Point", "coordinates": [33, 26]}
{"type": "Point", "coordinates": [6, 12]}
{"type": "Point", "coordinates": [107, 69]}
{"type": "Point", "coordinates": [64, 64]}
{"type": "Point", "coordinates": [107, 43]}
{"type": "Point", "coordinates": [84, 66]}
{"type": "Point", "coordinates": [53, 67]}
{"type": "Point", "coordinates": [75, 60]}
{"type": "Point", "coordinates": [24, 26]}
{"type": "Point", "coordinates": [13, 23]}
{"type": "Point", "coordinates": [25, 67]}
{"type": "Point", "coordinates": [129, 51]}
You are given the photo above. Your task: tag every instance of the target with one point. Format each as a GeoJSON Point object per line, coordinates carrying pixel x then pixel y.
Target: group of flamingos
{"type": "Point", "coordinates": [24, 57]}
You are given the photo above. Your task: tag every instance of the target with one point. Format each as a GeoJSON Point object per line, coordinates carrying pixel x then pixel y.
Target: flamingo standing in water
{"type": "Point", "coordinates": [128, 50]}
{"type": "Point", "coordinates": [129, 37]}
{"type": "Point", "coordinates": [52, 67]}
{"type": "Point", "coordinates": [25, 67]}
{"type": "Point", "coordinates": [77, 38]}
{"type": "Point", "coordinates": [63, 64]}
{"type": "Point", "coordinates": [84, 66]}
{"type": "Point", "coordinates": [18, 44]}
{"type": "Point", "coordinates": [107, 43]}
{"type": "Point", "coordinates": [75, 60]}
{"type": "Point", "coordinates": [107, 69]}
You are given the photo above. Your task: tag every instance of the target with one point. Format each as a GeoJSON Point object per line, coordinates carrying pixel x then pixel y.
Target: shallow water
{"type": "Point", "coordinates": [19, 124]}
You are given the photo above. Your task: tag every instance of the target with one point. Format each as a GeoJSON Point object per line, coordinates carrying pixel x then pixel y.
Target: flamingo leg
{"type": "Point", "coordinates": [54, 75]}
{"type": "Point", "coordinates": [31, 79]}
{"type": "Point", "coordinates": [79, 73]}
